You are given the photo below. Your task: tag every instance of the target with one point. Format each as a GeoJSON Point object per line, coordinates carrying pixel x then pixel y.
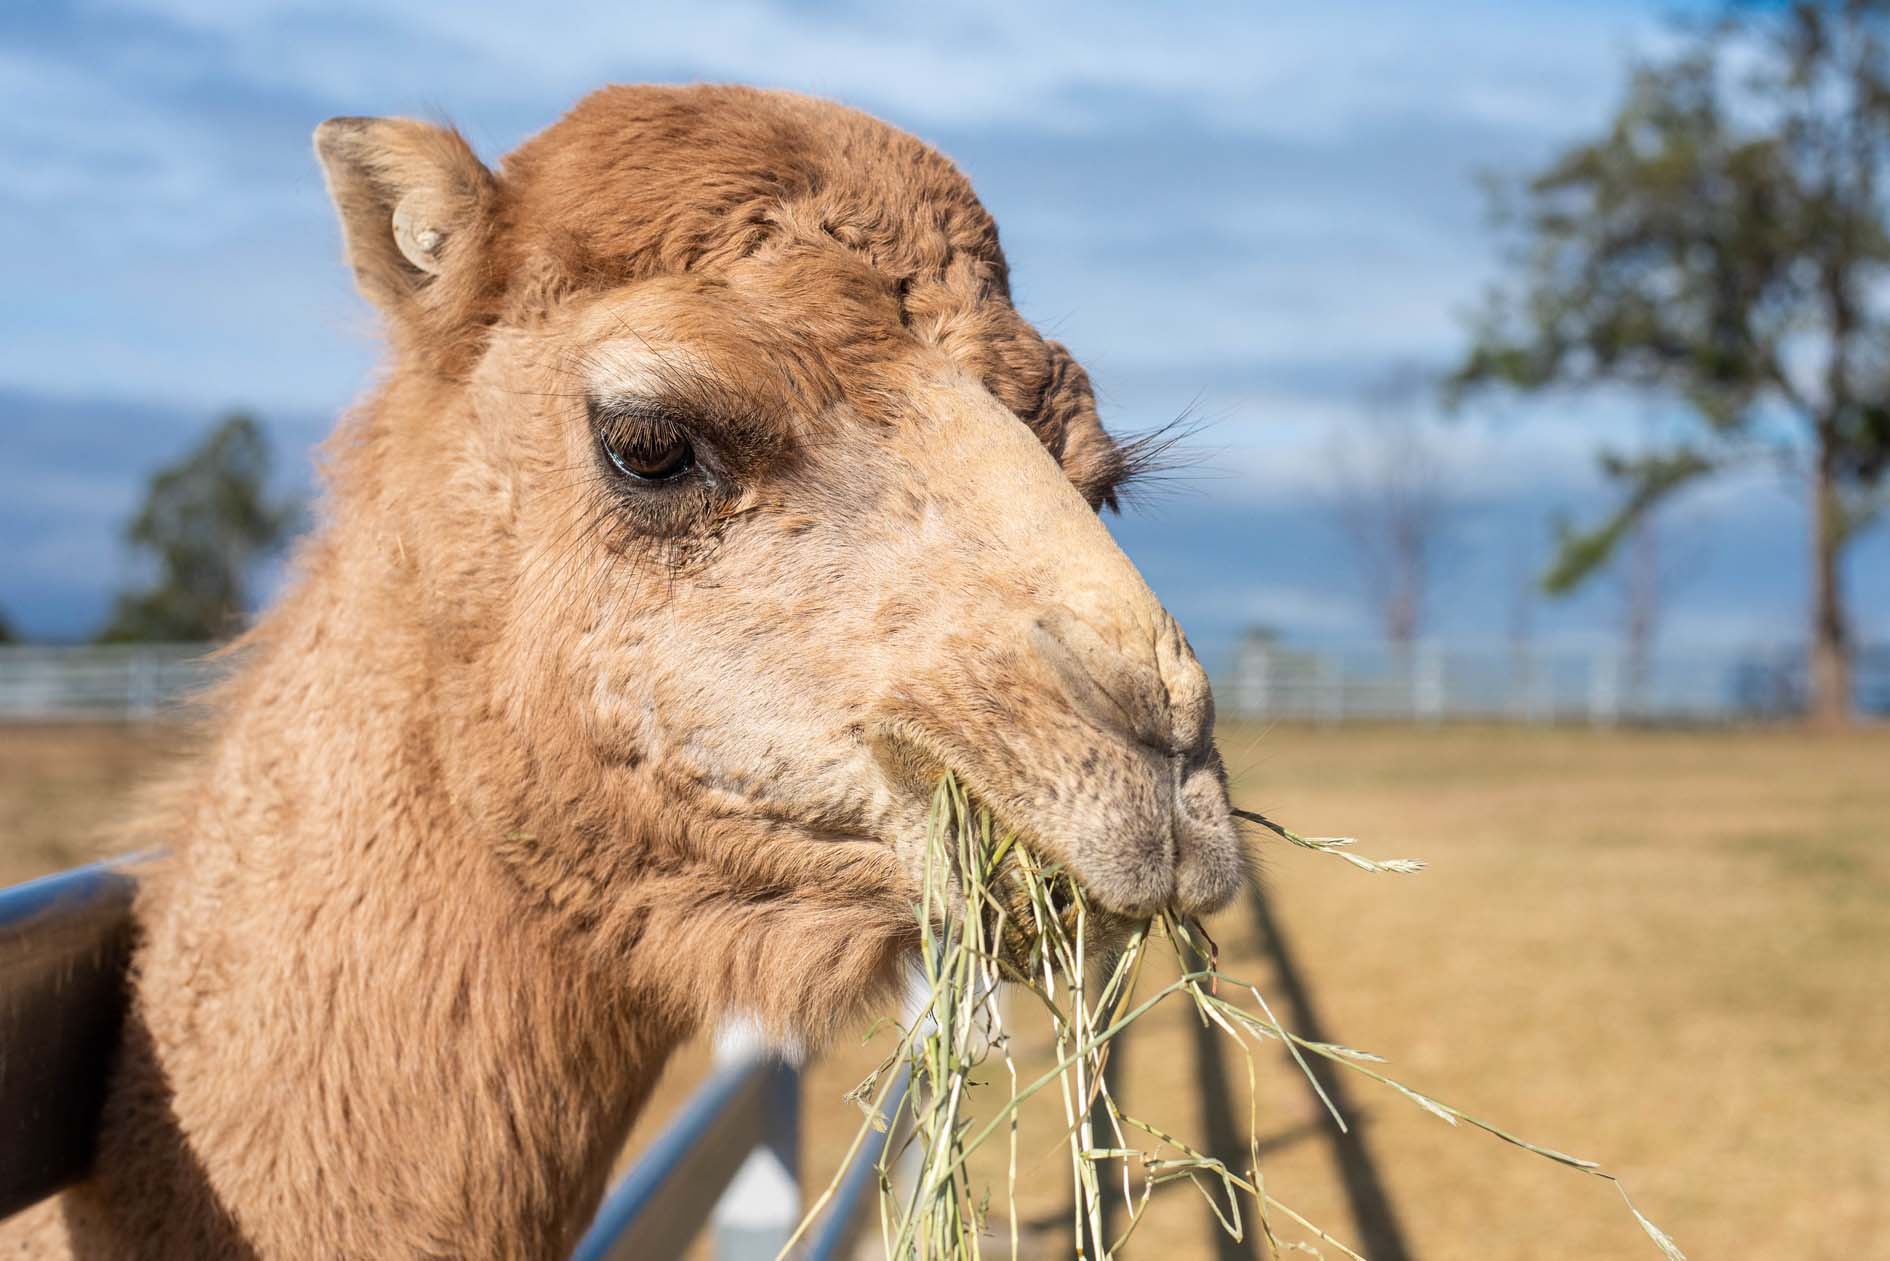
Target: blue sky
{"type": "Point", "coordinates": [1252, 208]}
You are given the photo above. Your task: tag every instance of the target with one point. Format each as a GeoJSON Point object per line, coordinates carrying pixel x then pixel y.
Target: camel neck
{"type": "Point", "coordinates": [351, 1034]}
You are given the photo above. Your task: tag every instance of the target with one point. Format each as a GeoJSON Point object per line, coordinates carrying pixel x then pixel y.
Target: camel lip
{"type": "Point", "coordinates": [1003, 827]}
{"type": "Point", "coordinates": [916, 757]}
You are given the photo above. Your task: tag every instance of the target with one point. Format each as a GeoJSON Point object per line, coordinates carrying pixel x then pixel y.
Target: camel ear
{"type": "Point", "coordinates": [416, 209]}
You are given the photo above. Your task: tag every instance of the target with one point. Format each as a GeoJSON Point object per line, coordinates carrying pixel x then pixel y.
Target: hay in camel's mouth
{"type": "Point", "coordinates": [994, 915]}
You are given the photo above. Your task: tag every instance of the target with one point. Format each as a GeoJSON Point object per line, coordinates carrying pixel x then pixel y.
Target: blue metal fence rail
{"type": "Point", "coordinates": [64, 944]}
{"type": "Point", "coordinates": [667, 1197]}
{"type": "Point", "coordinates": [664, 1201]}
{"type": "Point", "coordinates": [839, 1231]}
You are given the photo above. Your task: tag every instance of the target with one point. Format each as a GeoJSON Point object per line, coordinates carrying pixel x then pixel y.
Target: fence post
{"type": "Point", "coordinates": [1539, 696]}
{"type": "Point", "coordinates": [1428, 684]}
{"type": "Point", "coordinates": [1604, 688]}
{"type": "Point", "coordinates": [143, 698]}
{"type": "Point", "coordinates": [1252, 680]}
{"type": "Point", "coordinates": [762, 1205]}
{"type": "Point", "coordinates": [1329, 671]}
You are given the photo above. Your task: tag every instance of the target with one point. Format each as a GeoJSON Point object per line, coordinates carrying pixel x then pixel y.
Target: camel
{"type": "Point", "coordinates": [715, 501]}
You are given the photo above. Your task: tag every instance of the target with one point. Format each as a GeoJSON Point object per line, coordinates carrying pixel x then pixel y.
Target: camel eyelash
{"type": "Point", "coordinates": [651, 453]}
{"type": "Point", "coordinates": [661, 480]}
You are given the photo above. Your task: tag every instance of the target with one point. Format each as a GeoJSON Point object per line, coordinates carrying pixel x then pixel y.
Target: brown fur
{"type": "Point", "coordinates": [537, 768]}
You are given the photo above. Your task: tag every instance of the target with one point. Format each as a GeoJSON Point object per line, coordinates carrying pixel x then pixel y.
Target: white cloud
{"type": "Point", "coordinates": [1289, 69]}
{"type": "Point", "coordinates": [157, 160]}
{"type": "Point", "coordinates": [1264, 205]}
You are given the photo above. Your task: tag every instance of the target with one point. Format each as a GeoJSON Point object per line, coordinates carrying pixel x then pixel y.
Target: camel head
{"type": "Point", "coordinates": [726, 501]}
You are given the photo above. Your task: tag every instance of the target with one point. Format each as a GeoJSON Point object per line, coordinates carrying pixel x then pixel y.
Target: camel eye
{"type": "Point", "coordinates": [649, 454]}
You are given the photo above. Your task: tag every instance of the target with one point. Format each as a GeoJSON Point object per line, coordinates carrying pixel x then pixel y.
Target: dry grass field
{"type": "Point", "coordinates": [1668, 951]}
{"type": "Point", "coordinates": [61, 789]}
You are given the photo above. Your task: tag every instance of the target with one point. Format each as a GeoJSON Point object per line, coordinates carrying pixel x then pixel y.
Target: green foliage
{"type": "Point", "coordinates": [1724, 242]}
{"type": "Point", "coordinates": [1859, 512]}
{"type": "Point", "coordinates": [6, 629]}
{"type": "Point", "coordinates": [1647, 479]}
{"type": "Point", "coordinates": [205, 522]}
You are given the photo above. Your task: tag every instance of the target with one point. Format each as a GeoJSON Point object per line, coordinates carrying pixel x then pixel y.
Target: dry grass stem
{"type": "Point", "coordinates": [993, 914]}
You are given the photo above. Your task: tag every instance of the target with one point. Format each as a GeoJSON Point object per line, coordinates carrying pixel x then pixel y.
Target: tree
{"type": "Point", "coordinates": [1391, 505]}
{"type": "Point", "coordinates": [1725, 242]}
{"type": "Point", "coordinates": [6, 629]}
{"type": "Point", "coordinates": [206, 521]}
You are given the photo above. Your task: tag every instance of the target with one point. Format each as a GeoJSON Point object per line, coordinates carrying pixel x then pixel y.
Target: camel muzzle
{"type": "Point", "coordinates": [1095, 745]}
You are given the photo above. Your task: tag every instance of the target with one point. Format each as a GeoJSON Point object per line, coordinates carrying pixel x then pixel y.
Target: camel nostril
{"type": "Point", "coordinates": [1158, 696]}
{"type": "Point", "coordinates": [1190, 698]}
{"type": "Point", "coordinates": [1211, 863]}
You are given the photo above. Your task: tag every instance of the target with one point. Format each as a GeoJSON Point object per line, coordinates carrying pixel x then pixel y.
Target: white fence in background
{"type": "Point", "coordinates": [1603, 685]}
{"type": "Point", "coordinates": [1269, 680]}
{"type": "Point", "coordinates": [100, 683]}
